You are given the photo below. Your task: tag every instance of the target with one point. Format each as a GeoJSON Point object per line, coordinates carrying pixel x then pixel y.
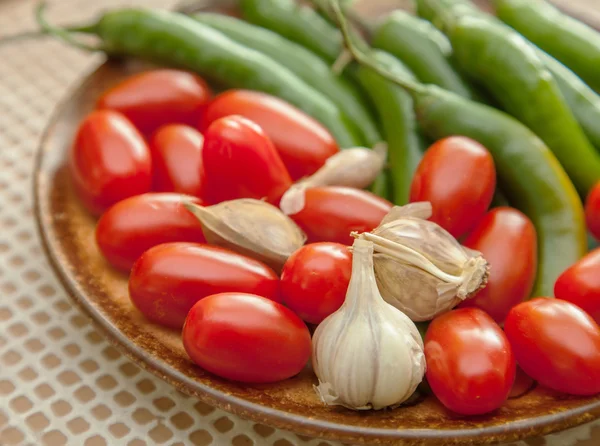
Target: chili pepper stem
{"type": "Point", "coordinates": [65, 34]}
{"type": "Point", "coordinates": [363, 59]}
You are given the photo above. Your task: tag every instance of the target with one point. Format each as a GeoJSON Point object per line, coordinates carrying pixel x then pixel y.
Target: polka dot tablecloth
{"type": "Point", "coordinates": [61, 383]}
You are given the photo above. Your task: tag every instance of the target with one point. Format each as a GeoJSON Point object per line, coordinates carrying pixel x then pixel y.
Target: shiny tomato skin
{"type": "Point", "coordinates": [246, 338]}
{"type": "Point", "coordinates": [580, 284]}
{"type": "Point", "coordinates": [592, 211]}
{"type": "Point", "coordinates": [557, 344]}
{"type": "Point", "coordinates": [240, 161]}
{"type": "Point", "coordinates": [303, 143]}
{"type": "Point", "coordinates": [137, 224]}
{"type": "Point", "coordinates": [507, 239]}
{"type": "Point", "coordinates": [177, 160]}
{"type": "Point", "coordinates": [315, 279]}
{"type": "Point", "coordinates": [158, 97]}
{"type": "Point", "coordinates": [470, 364]}
{"type": "Point", "coordinates": [168, 279]}
{"type": "Point", "coordinates": [458, 177]}
{"type": "Point", "coordinates": [109, 161]}
{"type": "Point", "coordinates": [331, 213]}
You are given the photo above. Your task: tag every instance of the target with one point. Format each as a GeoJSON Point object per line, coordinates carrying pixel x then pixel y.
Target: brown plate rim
{"type": "Point", "coordinates": [512, 431]}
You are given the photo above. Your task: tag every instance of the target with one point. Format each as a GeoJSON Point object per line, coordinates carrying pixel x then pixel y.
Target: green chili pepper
{"type": "Point", "coordinates": [423, 49]}
{"type": "Point", "coordinates": [527, 170]}
{"type": "Point", "coordinates": [296, 22]}
{"type": "Point", "coordinates": [572, 42]}
{"type": "Point", "coordinates": [583, 101]}
{"type": "Point", "coordinates": [174, 39]}
{"type": "Point", "coordinates": [510, 69]}
{"type": "Point", "coordinates": [305, 64]}
{"type": "Point", "coordinates": [382, 185]}
{"type": "Point", "coordinates": [435, 10]}
{"type": "Point", "coordinates": [396, 113]}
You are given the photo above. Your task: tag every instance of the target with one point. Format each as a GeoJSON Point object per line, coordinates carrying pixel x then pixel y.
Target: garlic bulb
{"type": "Point", "coordinates": [251, 227]}
{"type": "Point", "coordinates": [368, 354]}
{"type": "Point", "coordinates": [356, 167]}
{"type": "Point", "coordinates": [420, 268]}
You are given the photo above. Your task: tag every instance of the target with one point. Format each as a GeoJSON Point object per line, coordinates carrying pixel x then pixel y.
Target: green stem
{"type": "Point", "coordinates": [65, 34]}
{"type": "Point", "coordinates": [364, 59]}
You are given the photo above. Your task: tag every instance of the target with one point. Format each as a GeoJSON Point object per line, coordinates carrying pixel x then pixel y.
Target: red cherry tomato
{"type": "Point", "coordinates": [137, 224]}
{"type": "Point", "coordinates": [315, 279]}
{"type": "Point", "coordinates": [507, 240]}
{"type": "Point", "coordinates": [523, 383]}
{"type": "Point", "coordinates": [109, 161]}
{"type": "Point", "coordinates": [303, 143]}
{"type": "Point", "coordinates": [246, 338]}
{"type": "Point", "coordinates": [158, 97]}
{"type": "Point", "coordinates": [177, 160]}
{"type": "Point", "coordinates": [458, 177]}
{"type": "Point", "coordinates": [592, 211]}
{"type": "Point", "coordinates": [557, 344]}
{"type": "Point", "coordinates": [239, 161]}
{"type": "Point", "coordinates": [580, 284]}
{"type": "Point", "coordinates": [167, 280]}
{"type": "Point", "coordinates": [330, 214]}
{"type": "Point", "coordinates": [470, 364]}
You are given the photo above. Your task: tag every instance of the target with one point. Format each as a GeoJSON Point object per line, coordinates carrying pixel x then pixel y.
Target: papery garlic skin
{"type": "Point", "coordinates": [356, 167]}
{"type": "Point", "coordinates": [368, 354]}
{"type": "Point", "coordinates": [420, 268]}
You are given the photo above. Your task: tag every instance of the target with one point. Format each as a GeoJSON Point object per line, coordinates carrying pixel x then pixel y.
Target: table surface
{"type": "Point", "coordinates": [61, 383]}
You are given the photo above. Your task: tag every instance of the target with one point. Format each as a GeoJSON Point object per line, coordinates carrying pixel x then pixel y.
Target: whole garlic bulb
{"type": "Point", "coordinates": [368, 354]}
{"type": "Point", "coordinates": [420, 268]}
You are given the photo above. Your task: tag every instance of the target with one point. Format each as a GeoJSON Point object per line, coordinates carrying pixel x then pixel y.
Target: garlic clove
{"type": "Point", "coordinates": [355, 167]}
{"type": "Point", "coordinates": [251, 227]}
{"type": "Point", "coordinates": [420, 268]}
{"type": "Point", "coordinates": [368, 354]}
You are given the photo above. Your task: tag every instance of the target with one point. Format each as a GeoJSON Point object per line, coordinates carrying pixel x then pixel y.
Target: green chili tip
{"type": "Point", "coordinates": [366, 60]}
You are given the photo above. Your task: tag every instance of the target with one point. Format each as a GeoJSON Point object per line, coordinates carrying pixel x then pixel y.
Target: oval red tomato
{"type": "Point", "coordinates": [109, 161]}
{"type": "Point", "coordinates": [592, 211]}
{"type": "Point", "coordinates": [331, 213]}
{"type": "Point", "coordinates": [507, 240]}
{"type": "Point", "coordinates": [177, 160]}
{"type": "Point", "coordinates": [137, 224]}
{"type": "Point", "coordinates": [239, 161]}
{"type": "Point", "coordinates": [315, 279]}
{"type": "Point", "coordinates": [580, 284]}
{"type": "Point", "coordinates": [167, 280]}
{"type": "Point", "coordinates": [246, 338]}
{"type": "Point", "coordinates": [158, 97]}
{"type": "Point", "coordinates": [470, 364]}
{"type": "Point", "coordinates": [303, 143]}
{"type": "Point", "coordinates": [557, 344]}
{"type": "Point", "coordinates": [458, 177]}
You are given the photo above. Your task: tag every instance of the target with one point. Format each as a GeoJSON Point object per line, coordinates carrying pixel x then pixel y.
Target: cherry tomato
{"type": "Point", "coordinates": [168, 279]}
{"type": "Point", "coordinates": [592, 211]}
{"type": "Point", "coordinates": [302, 142]}
{"type": "Point", "coordinates": [137, 224]}
{"type": "Point", "coordinates": [239, 161]}
{"type": "Point", "coordinates": [523, 383]}
{"type": "Point", "coordinates": [470, 364]}
{"type": "Point", "coordinates": [331, 213]}
{"type": "Point", "coordinates": [158, 97]}
{"type": "Point", "coordinates": [580, 284]}
{"type": "Point", "coordinates": [247, 338]}
{"type": "Point", "coordinates": [315, 279]}
{"type": "Point", "coordinates": [458, 177]}
{"type": "Point", "coordinates": [507, 240]}
{"type": "Point", "coordinates": [557, 344]}
{"type": "Point", "coordinates": [177, 160]}
{"type": "Point", "coordinates": [109, 161]}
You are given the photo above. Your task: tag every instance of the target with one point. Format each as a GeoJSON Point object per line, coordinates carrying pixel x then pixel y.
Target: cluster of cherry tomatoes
{"type": "Point", "coordinates": [161, 138]}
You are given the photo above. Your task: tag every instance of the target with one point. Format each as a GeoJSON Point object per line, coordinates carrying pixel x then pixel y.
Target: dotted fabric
{"type": "Point", "coordinates": [61, 383]}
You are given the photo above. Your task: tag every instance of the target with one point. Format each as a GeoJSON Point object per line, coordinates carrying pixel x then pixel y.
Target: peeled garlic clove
{"type": "Point", "coordinates": [356, 167]}
{"type": "Point", "coordinates": [368, 354]}
{"type": "Point", "coordinates": [251, 227]}
{"type": "Point", "coordinates": [420, 268]}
